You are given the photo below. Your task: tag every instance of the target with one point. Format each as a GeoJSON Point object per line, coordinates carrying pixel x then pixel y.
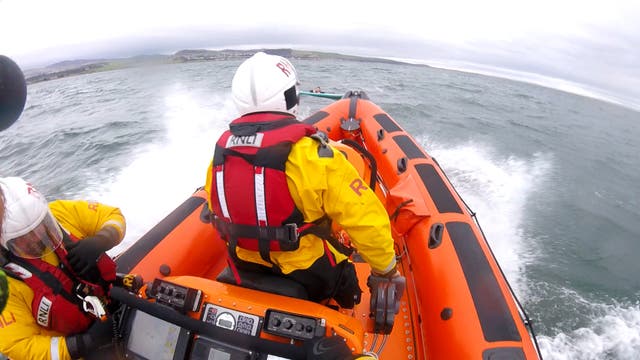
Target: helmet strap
{"type": "Point", "coordinates": [291, 97]}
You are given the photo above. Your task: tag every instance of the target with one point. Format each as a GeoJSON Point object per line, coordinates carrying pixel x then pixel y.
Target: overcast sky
{"type": "Point", "coordinates": [589, 47]}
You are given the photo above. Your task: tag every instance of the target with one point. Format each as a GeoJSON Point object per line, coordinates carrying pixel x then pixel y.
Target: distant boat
{"type": "Point", "coordinates": [322, 95]}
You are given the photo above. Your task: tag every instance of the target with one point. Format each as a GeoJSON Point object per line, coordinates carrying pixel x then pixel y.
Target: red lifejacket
{"type": "Point", "coordinates": [251, 202]}
{"type": "Point", "coordinates": [56, 305]}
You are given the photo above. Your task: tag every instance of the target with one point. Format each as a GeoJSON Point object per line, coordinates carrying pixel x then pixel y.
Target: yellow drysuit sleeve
{"type": "Point", "coordinates": [85, 218]}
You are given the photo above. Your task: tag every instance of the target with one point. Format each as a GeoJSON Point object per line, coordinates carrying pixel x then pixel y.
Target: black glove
{"type": "Point", "coordinates": [394, 277]}
{"type": "Point", "coordinates": [99, 334]}
{"type": "Point", "coordinates": [84, 254]}
{"type": "Point", "coordinates": [331, 348]}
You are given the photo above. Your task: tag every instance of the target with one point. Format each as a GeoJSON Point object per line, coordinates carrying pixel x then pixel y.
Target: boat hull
{"type": "Point", "coordinates": [461, 300]}
{"type": "Point", "coordinates": [457, 304]}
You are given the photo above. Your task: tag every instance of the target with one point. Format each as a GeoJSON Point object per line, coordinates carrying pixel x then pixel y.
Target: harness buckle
{"type": "Point", "coordinates": [94, 306]}
{"type": "Point", "coordinates": [292, 232]}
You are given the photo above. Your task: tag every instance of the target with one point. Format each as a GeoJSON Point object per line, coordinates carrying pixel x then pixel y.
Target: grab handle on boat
{"type": "Point", "coordinates": [435, 235]}
{"type": "Point", "coordinates": [402, 165]}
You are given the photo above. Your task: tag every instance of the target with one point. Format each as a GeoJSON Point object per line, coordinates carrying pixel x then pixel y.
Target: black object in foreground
{"type": "Point", "coordinates": [13, 92]}
{"type": "Point", "coordinates": [4, 290]}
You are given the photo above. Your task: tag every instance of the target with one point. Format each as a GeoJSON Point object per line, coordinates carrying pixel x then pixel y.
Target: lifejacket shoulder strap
{"type": "Point", "coordinates": [47, 278]}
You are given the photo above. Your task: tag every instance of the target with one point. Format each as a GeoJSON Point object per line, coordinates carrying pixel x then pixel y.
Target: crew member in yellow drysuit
{"type": "Point", "coordinates": [61, 244]}
{"type": "Point", "coordinates": [252, 202]}
{"type": "Point", "coordinates": [274, 187]}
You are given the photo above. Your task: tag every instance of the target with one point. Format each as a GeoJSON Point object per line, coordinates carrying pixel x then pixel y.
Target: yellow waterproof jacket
{"type": "Point", "coordinates": [20, 336]}
{"type": "Point", "coordinates": [331, 186]}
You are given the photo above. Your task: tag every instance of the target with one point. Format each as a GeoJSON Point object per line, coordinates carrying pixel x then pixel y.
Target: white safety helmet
{"type": "Point", "coordinates": [29, 230]}
{"type": "Point", "coordinates": [265, 83]}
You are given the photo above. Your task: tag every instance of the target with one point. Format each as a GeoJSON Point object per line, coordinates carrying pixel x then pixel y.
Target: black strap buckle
{"type": "Point", "coordinates": [292, 232]}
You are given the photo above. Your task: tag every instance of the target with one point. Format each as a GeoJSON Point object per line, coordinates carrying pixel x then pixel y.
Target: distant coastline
{"type": "Point", "coordinates": [79, 67]}
{"type": "Point", "coordinates": [86, 66]}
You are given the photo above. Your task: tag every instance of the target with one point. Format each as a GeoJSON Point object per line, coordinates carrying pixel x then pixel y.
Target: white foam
{"type": "Point", "coordinates": [497, 190]}
{"type": "Point", "coordinates": [165, 173]}
{"type": "Point", "coordinates": [613, 333]}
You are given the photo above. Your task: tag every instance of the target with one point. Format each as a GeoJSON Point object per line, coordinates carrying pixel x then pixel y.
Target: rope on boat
{"type": "Point", "coordinates": [372, 351]}
{"type": "Point", "coordinates": [384, 342]}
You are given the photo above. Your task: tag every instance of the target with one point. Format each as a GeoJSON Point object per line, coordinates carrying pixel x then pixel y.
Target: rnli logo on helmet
{"type": "Point", "coordinates": [43, 312]}
{"type": "Point", "coordinates": [33, 191]}
{"type": "Point", "coordinates": [254, 140]}
{"type": "Point", "coordinates": [285, 68]}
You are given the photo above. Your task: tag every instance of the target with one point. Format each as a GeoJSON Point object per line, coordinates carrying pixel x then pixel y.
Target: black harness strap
{"type": "Point", "coordinates": [246, 128]}
{"type": "Point", "coordinates": [284, 234]}
{"type": "Point", "coordinates": [322, 229]}
{"type": "Point", "coordinates": [287, 235]}
{"type": "Point", "coordinates": [264, 245]}
{"type": "Point", "coordinates": [232, 246]}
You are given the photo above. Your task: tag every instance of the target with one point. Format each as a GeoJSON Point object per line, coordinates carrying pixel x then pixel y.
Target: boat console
{"type": "Point", "coordinates": [195, 318]}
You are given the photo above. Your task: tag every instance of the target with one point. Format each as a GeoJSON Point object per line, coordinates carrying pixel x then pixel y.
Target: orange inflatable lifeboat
{"type": "Point", "coordinates": [457, 303]}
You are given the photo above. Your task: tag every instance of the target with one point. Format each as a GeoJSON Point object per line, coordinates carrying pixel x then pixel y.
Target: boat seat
{"type": "Point", "coordinates": [270, 283]}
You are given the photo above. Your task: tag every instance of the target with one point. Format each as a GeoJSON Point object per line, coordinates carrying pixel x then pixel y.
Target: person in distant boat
{"type": "Point", "coordinates": [275, 186]}
{"type": "Point", "coordinates": [13, 92]}
{"type": "Point", "coordinates": [317, 90]}
{"type": "Point", "coordinates": [59, 273]}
